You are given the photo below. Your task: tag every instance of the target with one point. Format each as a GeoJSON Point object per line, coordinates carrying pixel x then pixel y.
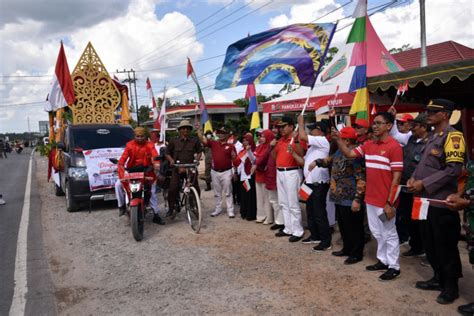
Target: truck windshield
{"type": "Point", "coordinates": [95, 138]}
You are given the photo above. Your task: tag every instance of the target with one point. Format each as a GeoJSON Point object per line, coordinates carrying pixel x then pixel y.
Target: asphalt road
{"type": "Point", "coordinates": [30, 292]}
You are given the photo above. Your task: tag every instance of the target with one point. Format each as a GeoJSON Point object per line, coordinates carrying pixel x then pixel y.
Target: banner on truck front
{"type": "Point", "coordinates": [100, 171]}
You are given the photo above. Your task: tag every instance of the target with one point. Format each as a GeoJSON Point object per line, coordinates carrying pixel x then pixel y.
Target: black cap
{"type": "Point", "coordinates": [319, 125]}
{"type": "Point", "coordinates": [420, 119]}
{"type": "Point", "coordinates": [222, 130]}
{"type": "Point", "coordinates": [441, 105]}
{"type": "Point", "coordinates": [286, 120]}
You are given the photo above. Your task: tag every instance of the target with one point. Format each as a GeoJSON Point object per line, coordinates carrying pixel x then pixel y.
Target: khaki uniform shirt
{"type": "Point", "coordinates": [183, 149]}
{"type": "Point", "coordinates": [441, 163]}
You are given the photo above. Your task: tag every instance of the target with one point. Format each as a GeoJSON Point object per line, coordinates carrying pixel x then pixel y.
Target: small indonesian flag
{"type": "Point", "coordinates": [402, 88]}
{"type": "Point", "coordinates": [246, 185]}
{"type": "Point", "coordinates": [394, 194]}
{"type": "Point", "coordinates": [241, 157]}
{"type": "Point", "coordinates": [374, 110]}
{"type": "Point", "coordinates": [420, 208]}
{"type": "Point", "coordinates": [304, 192]}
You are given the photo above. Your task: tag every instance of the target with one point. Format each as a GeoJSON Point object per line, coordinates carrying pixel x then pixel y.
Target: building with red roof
{"type": "Point", "coordinates": [439, 53]}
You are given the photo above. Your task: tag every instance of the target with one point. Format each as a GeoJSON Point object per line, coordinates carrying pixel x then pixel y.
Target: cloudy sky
{"type": "Point", "coordinates": [154, 37]}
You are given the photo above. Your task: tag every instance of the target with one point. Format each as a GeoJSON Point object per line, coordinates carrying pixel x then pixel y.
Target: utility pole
{"type": "Point", "coordinates": [424, 59]}
{"type": "Point", "coordinates": [131, 80]}
{"type": "Point", "coordinates": [28, 118]}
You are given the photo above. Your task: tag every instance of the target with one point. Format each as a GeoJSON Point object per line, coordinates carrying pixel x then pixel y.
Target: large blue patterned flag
{"type": "Point", "coordinates": [292, 54]}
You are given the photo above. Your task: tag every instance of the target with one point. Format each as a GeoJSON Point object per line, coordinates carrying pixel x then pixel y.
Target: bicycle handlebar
{"type": "Point", "coordinates": [185, 165]}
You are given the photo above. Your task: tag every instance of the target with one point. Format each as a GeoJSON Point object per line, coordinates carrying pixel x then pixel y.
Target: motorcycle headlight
{"type": "Point", "coordinates": [135, 187]}
{"type": "Point", "coordinates": [77, 173]}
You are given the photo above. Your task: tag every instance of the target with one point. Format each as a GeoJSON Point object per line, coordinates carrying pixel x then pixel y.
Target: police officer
{"type": "Point", "coordinates": [465, 201]}
{"type": "Point", "coordinates": [436, 177]}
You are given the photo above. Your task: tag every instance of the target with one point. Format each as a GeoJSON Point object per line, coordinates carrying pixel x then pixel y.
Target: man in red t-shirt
{"type": "Point", "coordinates": [138, 153]}
{"type": "Point", "coordinates": [289, 178]}
{"type": "Point", "coordinates": [223, 154]}
{"type": "Point", "coordinates": [384, 166]}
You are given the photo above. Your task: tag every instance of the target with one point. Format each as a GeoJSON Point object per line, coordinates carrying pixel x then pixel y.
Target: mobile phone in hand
{"type": "Point", "coordinates": [383, 217]}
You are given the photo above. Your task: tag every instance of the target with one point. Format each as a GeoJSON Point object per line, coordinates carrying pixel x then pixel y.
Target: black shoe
{"type": "Point", "coordinates": [310, 240]}
{"type": "Point", "coordinates": [447, 296]}
{"type": "Point", "coordinates": [352, 260]}
{"type": "Point", "coordinates": [281, 234]}
{"type": "Point", "coordinates": [158, 220]}
{"type": "Point", "coordinates": [379, 266]}
{"type": "Point", "coordinates": [295, 238]}
{"type": "Point", "coordinates": [122, 210]}
{"type": "Point", "coordinates": [170, 213]}
{"type": "Point", "coordinates": [340, 253]}
{"type": "Point", "coordinates": [430, 285]}
{"type": "Point", "coordinates": [276, 226]}
{"type": "Point", "coordinates": [208, 188]}
{"type": "Point", "coordinates": [389, 275]}
{"type": "Point", "coordinates": [466, 310]}
{"type": "Point", "coordinates": [321, 247]}
{"type": "Point", "coordinates": [412, 254]}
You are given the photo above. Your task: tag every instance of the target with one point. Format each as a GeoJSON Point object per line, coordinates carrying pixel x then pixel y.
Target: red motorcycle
{"type": "Point", "coordinates": [137, 186]}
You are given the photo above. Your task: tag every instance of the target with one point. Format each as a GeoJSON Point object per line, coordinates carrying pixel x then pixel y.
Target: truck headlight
{"type": "Point", "coordinates": [77, 173]}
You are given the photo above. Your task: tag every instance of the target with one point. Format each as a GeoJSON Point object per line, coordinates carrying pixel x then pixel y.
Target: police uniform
{"type": "Point", "coordinates": [439, 168]}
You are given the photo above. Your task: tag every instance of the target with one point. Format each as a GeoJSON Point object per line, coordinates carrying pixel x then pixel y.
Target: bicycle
{"type": "Point", "coordinates": [189, 197]}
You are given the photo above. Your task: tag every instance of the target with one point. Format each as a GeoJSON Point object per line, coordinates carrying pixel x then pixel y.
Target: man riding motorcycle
{"type": "Point", "coordinates": [138, 155]}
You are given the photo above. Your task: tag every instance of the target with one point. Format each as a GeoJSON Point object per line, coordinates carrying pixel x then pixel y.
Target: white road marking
{"type": "Point", "coordinates": [21, 286]}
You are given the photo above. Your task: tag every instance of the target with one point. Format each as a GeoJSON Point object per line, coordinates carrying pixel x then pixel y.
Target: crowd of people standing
{"type": "Point", "coordinates": [371, 172]}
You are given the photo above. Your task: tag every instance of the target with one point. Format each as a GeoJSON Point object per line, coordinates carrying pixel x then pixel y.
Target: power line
{"type": "Point", "coordinates": [149, 54]}
{"type": "Point", "coordinates": [171, 50]}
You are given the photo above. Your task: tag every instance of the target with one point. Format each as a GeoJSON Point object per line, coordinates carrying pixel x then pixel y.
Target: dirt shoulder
{"type": "Point", "coordinates": [231, 267]}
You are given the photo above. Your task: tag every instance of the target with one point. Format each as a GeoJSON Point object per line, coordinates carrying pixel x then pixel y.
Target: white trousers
{"type": "Point", "coordinates": [263, 204]}
{"type": "Point", "coordinates": [388, 247]}
{"type": "Point", "coordinates": [274, 213]}
{"type": "Point", "coordinates": [120, 194]}
{"type": "Point", "coordinates": [222, 183]}
{"type": "Point", "coordinates": [288, 185]}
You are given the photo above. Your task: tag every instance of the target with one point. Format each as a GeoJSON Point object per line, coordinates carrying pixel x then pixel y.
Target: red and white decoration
{"type": "Point", "coordinates": [62, 88]}
{"type": "Point", "coordinates": [420, 208]}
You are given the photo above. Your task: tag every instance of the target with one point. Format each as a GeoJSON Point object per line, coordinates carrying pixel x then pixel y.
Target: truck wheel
{"type": "Point", "coordinates": [71, 204]}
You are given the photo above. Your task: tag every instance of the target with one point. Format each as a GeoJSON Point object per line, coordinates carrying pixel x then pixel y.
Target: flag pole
{"type": "Point", "coordinates": [302, 112]}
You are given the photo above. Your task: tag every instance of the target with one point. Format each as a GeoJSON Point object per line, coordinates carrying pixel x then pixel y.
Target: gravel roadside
{"type": "Point", "coordinates": [231, 267]}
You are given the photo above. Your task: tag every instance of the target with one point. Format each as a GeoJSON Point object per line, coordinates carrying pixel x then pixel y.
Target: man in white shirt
{"type": "Point", "coordinates": [318, 180]}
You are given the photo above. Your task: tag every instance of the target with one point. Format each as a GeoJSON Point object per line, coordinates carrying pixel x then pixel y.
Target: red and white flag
{"type": "Point", "coordinates": [162, 118]}
{"type": "Point", "coordinates": [394, 194]}
{"type": "Point", "coordinates": [62, 88]}
{"type": "Point", "coordinates": [402, 88]}
{"type": "Point", "coordinates": [152, 97]}
{"type": "Point", "coordinates": [246, 185]}
{"type": "Point", "coordinates": [420, 208]}
{"type": "Point", "coordinates": [304, 192]}
{"type": "Point", "coordinates": [374, 110]}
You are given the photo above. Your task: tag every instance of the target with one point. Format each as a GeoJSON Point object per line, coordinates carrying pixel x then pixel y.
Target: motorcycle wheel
{"type": "Point", "coordinates": [137, 222]}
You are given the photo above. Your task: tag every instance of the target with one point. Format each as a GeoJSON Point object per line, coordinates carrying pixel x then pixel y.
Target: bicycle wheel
{"type": "Point", "coordinates": [193, 209]}
{"type": "Point", "coordinates": [137, 222]}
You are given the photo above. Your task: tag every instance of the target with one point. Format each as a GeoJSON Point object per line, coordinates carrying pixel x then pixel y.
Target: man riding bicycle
{"type": "Point", "coordinates": [184, 149]}
{"type": "Point", "coordinates": [138, 155]}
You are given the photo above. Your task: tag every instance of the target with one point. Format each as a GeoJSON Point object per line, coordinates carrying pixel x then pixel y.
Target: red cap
{"type": "Point", "coordinates": [348, 132]}
{"type": "Point", "coordinates": [405, 118]}
{"type": "Point", "coordinates": [362, 123]}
